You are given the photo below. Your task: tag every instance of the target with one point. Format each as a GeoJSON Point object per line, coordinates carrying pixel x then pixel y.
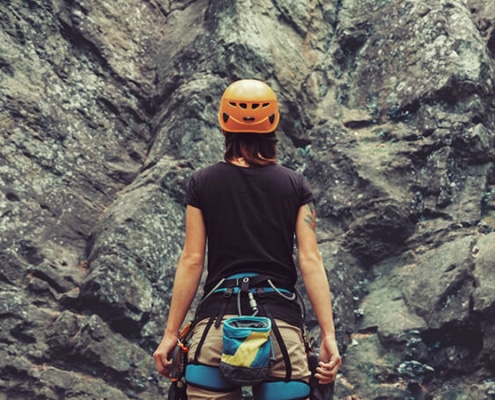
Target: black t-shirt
{"type": "Point", "coordinates": [250, 216]}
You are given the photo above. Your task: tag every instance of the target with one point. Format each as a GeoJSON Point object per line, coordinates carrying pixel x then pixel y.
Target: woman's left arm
{"type": "Point", "coordinates": [186, 282]}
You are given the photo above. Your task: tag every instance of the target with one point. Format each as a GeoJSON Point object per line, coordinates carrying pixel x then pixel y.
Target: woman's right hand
{"type": "Point", "coordinates": [330, 361]}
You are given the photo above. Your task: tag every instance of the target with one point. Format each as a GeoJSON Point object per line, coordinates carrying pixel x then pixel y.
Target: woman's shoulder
{"type": "Point", "coordinates": [211, 167]}
{"type": "Point", "coordinates": [210, 170]}
{"type": "Point", "coordinates": [281, 169]}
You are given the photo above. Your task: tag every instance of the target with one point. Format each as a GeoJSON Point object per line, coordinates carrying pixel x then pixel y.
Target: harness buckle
{"type": "Point", "coordinates": [228, 292]}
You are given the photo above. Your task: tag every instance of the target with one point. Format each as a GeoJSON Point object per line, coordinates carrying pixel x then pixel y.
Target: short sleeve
{"type": "Point", "coordinates": [306, 194]}
{"type": "Point", "coordinates": [192, 194]}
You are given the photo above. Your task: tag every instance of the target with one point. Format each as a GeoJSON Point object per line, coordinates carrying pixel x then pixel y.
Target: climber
{"type": "Point", "coordinates": [245, 211]}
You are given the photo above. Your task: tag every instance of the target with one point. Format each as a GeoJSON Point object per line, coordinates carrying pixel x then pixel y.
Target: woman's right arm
{"type": "Point", "coordinates": [318, 289]}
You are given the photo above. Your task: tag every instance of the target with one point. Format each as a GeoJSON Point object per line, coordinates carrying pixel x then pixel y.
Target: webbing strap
{"type": "Point", "coordinates": [283, 347]}
{"type": "Point", "coordinates": [221, 311]}
{"type": "Point", "coordinates": [203, 337]}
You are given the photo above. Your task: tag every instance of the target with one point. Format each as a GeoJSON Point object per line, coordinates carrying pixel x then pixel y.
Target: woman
{"type": "Point", "coordinates": [247, 210]}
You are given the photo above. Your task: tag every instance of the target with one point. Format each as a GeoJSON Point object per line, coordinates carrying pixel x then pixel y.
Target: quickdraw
{"type": "Point", "coordinates": [177, 389]}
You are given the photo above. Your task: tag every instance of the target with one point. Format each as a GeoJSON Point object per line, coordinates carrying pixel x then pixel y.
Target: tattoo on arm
{"type": "Point", "coordinates": [311, 217]}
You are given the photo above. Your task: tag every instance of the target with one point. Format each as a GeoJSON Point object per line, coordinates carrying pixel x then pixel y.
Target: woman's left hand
{"type": "Point", "coordinates": [161, 356]}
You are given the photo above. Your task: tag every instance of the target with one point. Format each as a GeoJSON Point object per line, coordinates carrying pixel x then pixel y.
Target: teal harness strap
{"type": "Point", "coordinates": [210, 378]}
{"type": "Point", "coordinates": [256, 290]}
{"type": "Point", "coordinates": [279, 390]}
{"type": "Point", "coordinates": [206, 377]}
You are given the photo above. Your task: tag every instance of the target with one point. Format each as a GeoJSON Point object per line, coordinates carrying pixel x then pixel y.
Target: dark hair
{"type": "Point", "coordinates": [256, 149]}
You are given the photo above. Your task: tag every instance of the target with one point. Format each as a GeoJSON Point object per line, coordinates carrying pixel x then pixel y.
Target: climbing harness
{"type": "Point", "coordinates": [247, 351]}
{"type": "Point", "coordinates": [246, 366]}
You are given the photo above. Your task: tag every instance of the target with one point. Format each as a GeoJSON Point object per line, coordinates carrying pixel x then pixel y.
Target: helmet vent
{"type": "Point", "coordinates": [232, 103]}
{"type": "Point", "coordinates": [243, 105]}
{"type": "Point", "coordinates": [271, 118]}
{"type": "Point", "coordinates": [254, 106]}
{"type": "Point", "coordinates": [225, 117]}
{"type": "Point", "coordinates": [248, 118]}
{"type": "Point", "coordinates": [265, 105]}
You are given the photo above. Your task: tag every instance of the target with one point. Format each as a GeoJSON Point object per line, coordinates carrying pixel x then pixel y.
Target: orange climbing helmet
{"type": "Point", "coordinates": [248, 106]}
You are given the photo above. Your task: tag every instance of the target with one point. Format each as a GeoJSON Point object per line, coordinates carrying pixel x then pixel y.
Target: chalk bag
{"type": "Point", "coordinates": [247, 350]}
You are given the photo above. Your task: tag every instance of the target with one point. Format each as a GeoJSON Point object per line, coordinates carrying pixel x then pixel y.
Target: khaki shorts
{"type": "Point", "coordinates": [211, 351]}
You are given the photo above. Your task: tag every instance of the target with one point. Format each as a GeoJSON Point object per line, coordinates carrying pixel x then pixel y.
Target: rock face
{"type": "Point", "coordinates": [108, 107]}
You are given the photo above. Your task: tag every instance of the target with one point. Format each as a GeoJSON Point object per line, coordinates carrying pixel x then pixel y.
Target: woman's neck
{"type": "Point", "coordinates": [240, 162]}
